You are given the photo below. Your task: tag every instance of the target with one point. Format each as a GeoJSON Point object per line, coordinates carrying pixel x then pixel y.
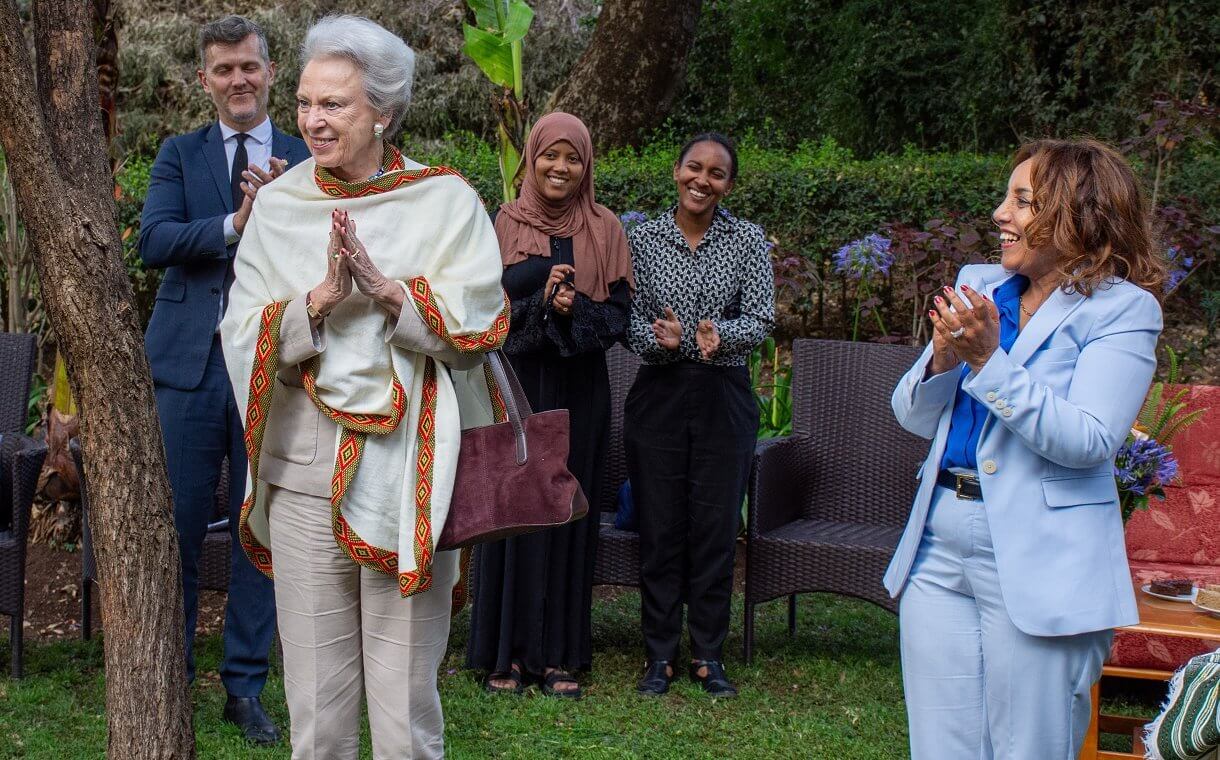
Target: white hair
{"type": "Point", "coordinates": [385, 61]}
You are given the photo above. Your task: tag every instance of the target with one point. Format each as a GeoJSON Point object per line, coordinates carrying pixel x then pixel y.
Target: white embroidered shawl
{"type": "Point", "coordinates": [397, 410]}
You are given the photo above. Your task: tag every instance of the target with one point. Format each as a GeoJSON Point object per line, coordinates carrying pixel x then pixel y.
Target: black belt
{"type": "Point", "coordinates": [966, 486]}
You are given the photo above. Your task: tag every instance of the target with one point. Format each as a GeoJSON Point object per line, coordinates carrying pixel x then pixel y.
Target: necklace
{"type": "Point", "coordinates": [1025, 311]}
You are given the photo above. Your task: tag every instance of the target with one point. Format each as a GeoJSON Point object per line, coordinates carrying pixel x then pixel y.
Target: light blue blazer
{"type": "Point", "coordinates": [1062, 402]}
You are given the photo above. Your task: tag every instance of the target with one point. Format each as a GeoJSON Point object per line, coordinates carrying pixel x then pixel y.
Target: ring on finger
{"type": "Point", "coordinates": [959, 332]}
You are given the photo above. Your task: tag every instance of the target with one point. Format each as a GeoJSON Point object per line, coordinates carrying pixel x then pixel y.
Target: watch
{"type": "Point", "coordinates": [311, 310]}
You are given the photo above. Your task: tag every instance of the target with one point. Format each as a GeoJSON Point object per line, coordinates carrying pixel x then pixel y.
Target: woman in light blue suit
{"type": "Point", "coordinates": [1012, 570]}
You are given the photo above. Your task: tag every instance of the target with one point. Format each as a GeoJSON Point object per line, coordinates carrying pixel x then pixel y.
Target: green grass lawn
{"type": "Point", "coordinates": [833, 692]}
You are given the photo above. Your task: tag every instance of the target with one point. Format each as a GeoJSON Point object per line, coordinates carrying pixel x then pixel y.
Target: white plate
{"type": "Point", "coordinates": [1209, 610]}
{"type": "Point", "coordinates": [1147, 589]}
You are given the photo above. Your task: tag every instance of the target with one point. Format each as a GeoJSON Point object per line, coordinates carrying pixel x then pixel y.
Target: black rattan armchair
{"type": "Point", "coordinates": [20, 462]}
{"type": "Point", "coordinates": [618, 551]}
{"type": "Point", "coordinates": [828, 503]}
{"type": "Point", "coordinates": [214, 562]}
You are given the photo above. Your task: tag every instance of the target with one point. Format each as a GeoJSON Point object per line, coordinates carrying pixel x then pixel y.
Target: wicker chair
{"type": "Point", "coordinates": [20, 462]}
{"type": "Point", "coordinates": [618, 551]}
{"type": "Point", "coordinates": [828, 503]}
{"type": "Point", "coordinates": [214, 561]}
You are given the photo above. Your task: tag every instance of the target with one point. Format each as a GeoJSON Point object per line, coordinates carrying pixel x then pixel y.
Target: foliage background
{"type": "Point", "coordinates": [811, 200]}
{"type": "Point", "coordinates": [970, 74]}
{"type": "Point", "coordinates": [874, 75]}
{"type": "Point", "coordinates": [855, 117]}
{"type": "Point", "coordinates": [159, 93]}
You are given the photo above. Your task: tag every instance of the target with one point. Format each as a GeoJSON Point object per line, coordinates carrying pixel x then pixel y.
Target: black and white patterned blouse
{"type": "Point", "coordinates": [727, 279]}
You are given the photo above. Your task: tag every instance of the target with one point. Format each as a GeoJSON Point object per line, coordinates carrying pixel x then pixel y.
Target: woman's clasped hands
{"type": "Point", "coordinates": [348, 264]}
{"type": "Point", "coordinates": [559, 291]}
{"type": "Point", "coordinates": [963, 331]}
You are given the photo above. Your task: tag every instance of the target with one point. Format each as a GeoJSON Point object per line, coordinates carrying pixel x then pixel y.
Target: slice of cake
{"type": "Point", "coordinates": [1208, 597]}
{"type": "Point", "coordinates": [1172, 587]}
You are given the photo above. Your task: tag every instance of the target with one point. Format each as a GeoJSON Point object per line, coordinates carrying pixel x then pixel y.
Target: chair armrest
{"type": "Point", "coordinates": [777, 483]}
{"type": "Point", "coordinates": [21, 458]}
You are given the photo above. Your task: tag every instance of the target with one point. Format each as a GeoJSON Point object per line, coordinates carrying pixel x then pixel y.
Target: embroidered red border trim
{"type": "Point", "coordinates": [480, 342]}
{"type": "Point", "coordinates": [356, 428]}
{"type": "Point", "coordinates": [395, 175]}
{"type": "Point", "coordinates": [258, 407]}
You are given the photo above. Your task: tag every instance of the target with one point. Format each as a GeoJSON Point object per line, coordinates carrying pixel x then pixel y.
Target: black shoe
{"type": "Point", "coordinates": [656, 679]}
{"type": "Point", "coordinates": [715, 682]}
{"type": "Point", "coordinates": [247, 714]}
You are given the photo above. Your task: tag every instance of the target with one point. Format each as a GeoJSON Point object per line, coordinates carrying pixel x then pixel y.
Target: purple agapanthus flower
{"type": "Point", "coordinates": [632, 219]}
{"type": "Point", "coordinates": [1180, 266]}
{"type": "Point", "coordinates": [865, 258]}
{"type": "Point", "coordinates": [1143, 465]}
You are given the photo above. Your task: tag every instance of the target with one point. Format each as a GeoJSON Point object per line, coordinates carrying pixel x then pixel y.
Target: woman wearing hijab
{"type": "Point", "coordinates": [567, 272]}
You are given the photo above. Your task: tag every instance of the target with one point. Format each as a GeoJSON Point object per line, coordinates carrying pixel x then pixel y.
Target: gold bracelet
{"type": "Point", "coordinates": [311, 310]}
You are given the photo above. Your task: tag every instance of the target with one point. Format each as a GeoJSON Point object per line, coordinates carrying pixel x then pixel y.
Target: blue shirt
{"type": "Point", "coordinates": [969, 415]}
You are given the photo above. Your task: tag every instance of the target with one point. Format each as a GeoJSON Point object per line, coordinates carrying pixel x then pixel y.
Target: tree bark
{"type": "Point", "coordinates": [52, 137]}
{"type": "Point", "coordinates": [106, 35]}
{"type": "Point", "coordinates": [625, 82]}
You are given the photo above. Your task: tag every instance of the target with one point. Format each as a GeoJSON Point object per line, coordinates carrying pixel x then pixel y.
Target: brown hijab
{"type": "Point", "coordinates": [525, 226]}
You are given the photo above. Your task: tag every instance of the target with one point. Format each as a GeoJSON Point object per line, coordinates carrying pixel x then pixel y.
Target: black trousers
{"type": "Point", "coordinates": [689, 432]}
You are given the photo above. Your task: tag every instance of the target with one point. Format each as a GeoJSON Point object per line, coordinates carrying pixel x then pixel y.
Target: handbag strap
{"type": "Point", "coordinates": [516, 405]}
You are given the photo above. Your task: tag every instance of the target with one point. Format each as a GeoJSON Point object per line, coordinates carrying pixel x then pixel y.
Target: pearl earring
{"type": "Point", "coordinates": [377, 130]}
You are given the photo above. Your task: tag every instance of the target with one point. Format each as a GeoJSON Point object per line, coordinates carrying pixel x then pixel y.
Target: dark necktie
{"type": "Point", "coordinates": [241, 160]}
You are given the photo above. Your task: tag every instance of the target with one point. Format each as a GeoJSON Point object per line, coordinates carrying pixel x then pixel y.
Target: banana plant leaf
{"type": "Point", "coordinates": [508, 20]}
{"type": "Point", "coordinates": [490, 54]}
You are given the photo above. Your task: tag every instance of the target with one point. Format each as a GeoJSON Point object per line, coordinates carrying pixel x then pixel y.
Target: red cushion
{"type": "Point", "coordinates": [1184, 528]}
{"type": "Point", "coordinates": [1198, 447]}
{"type": "Point", "coordinates": [1180, 536]}
{"type": "Point", "coordinates": [1143, 650]}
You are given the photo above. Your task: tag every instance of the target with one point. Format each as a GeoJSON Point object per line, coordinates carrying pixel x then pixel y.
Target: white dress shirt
{"type": "Point", "coordinates": [258, 148]}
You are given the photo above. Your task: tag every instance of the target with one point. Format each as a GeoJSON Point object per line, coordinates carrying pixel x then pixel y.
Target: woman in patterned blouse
{"type": "Point", "coordinates": [704, 300]}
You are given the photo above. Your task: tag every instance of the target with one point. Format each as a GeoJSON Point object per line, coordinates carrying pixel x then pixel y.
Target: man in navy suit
{"type": "Point", "coordinates": [199, 199]}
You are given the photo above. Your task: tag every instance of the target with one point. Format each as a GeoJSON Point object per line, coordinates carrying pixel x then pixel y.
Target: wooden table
{"type": "Point", "coordinates": [1159, 617]}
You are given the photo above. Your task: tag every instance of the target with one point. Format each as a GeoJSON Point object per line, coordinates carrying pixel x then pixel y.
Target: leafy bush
{"type": "Point", "coordinates": [971, 75]}
{"type": "Point", "coordinates": [159, 94]}
{"type": "Point", "coordinates": [811, 201]}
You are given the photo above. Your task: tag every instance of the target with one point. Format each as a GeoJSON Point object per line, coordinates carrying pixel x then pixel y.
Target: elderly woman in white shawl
{"type": "Point", "coordinates": [362, 280]}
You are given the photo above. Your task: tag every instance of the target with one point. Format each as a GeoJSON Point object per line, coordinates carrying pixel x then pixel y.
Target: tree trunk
{"type": "Point", "coordinates": [52, 136]}
{"type": "Point", "coordinates": [106, 36]}
{"type": "Point", "coordinates": [625, 82]}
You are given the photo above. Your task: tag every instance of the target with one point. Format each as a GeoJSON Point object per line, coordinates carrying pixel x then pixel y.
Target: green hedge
{"type": "Point", "coordinates": [811, 200]}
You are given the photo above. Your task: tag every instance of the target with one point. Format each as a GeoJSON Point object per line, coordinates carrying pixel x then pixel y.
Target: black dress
{"type": "Point", "coordinates": [533, 592]}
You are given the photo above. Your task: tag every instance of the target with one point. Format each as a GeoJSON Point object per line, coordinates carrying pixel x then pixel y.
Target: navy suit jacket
{"type": "Point", "coordinates": [182, 232]}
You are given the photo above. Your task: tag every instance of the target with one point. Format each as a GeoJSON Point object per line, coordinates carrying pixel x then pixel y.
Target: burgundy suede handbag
{"type": "Point", "coordinates": [512, 477]}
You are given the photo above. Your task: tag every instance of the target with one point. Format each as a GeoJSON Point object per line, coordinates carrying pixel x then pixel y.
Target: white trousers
{"type": "Point", "coordinates": [347, 633]}
{"type": "Point", "coordinates": [978, 688]}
